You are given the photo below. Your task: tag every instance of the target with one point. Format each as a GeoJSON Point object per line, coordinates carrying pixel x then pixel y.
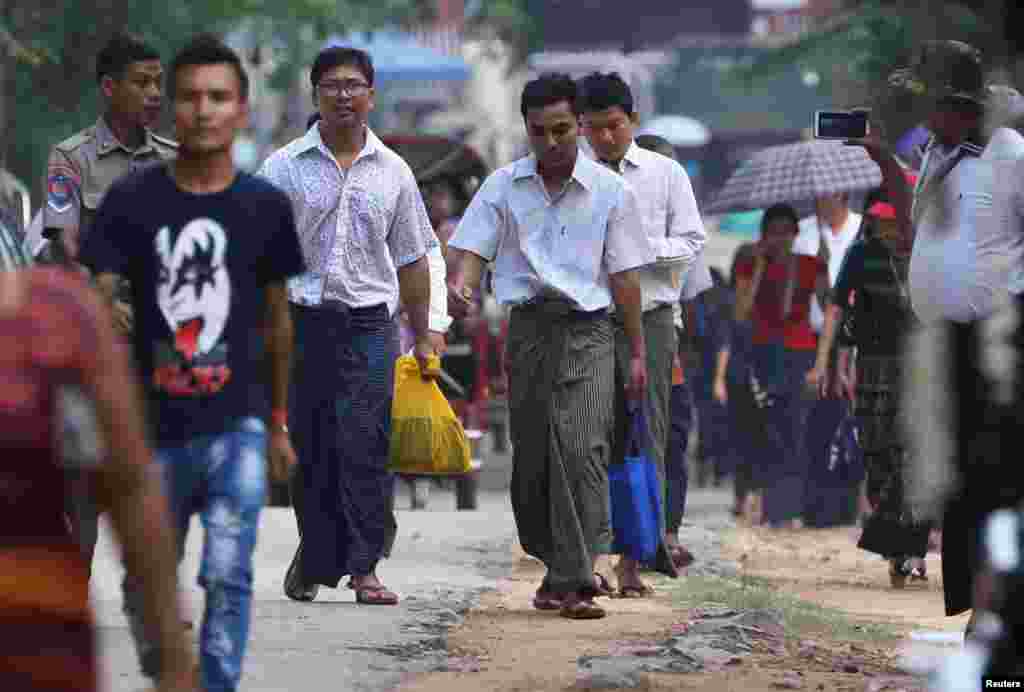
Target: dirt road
{"type": "Point", "coordinates": [761, 610]}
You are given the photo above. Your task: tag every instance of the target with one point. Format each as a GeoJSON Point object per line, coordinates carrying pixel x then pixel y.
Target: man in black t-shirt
{"type": "Point", "coordinates": [207, 250]}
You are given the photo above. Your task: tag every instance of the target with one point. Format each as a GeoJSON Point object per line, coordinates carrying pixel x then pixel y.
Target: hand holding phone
{"type": "Point", "coordinates": [841, 125]}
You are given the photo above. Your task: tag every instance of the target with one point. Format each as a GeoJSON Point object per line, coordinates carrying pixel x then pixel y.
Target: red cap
{"type": "Point", "coordinates": [882, 210]}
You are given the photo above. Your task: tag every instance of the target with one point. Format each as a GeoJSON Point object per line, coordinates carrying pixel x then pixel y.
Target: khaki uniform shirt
{"type": "Point", "coordinates": [82, 168]}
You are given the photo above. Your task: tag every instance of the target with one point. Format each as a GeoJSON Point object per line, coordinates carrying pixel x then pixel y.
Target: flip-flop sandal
{"type": "Point", "coordinates": [374, 595]}
{"type": "Point", "coordinates": [293, 586]}
{"type": "Point", "coordinates": [632, 591]}
{"type": "Point", "coordinates": [582, 610]}
{"type": "Point", "coordinates": [602, 587]}
{"type": "Point", "coordinates": [681, 557]}
{"type": "Point", "coordinates": [547, 602]}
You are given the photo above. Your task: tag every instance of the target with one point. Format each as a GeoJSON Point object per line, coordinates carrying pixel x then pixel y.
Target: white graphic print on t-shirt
{"type": "Point", "coordinates": [194, 296]}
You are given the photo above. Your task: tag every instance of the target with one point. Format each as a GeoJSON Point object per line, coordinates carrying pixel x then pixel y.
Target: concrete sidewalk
{"type": "Point", "coordinates": [442, 561]}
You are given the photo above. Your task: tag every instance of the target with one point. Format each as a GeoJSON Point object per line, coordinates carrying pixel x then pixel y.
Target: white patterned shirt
{"type": "Point", "coordinates": [668, 210]}
{"type": "Point", "coordinates": [565, 246]}
{"type": "Point", "coordinates": [358, 226]}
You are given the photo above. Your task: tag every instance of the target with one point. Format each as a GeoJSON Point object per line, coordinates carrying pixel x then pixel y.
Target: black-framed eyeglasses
{"type": "Point", "coordinates": [349, 87]}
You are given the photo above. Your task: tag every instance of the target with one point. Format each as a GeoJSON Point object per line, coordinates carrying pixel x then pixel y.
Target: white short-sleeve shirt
{"type": "Point", "coordinates": [670, 218]}
{"type": "Point", "coordinates": [566, 246]}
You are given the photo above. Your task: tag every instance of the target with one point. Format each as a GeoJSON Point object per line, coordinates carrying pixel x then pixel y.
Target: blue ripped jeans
{"type": "Point", "coordinates": [223, 478]}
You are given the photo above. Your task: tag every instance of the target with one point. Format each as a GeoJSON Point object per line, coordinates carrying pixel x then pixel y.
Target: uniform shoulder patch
{"type": "Point", "coordinates": [61, 189]}
{"type": "Point", "coordinates": [75, 140]}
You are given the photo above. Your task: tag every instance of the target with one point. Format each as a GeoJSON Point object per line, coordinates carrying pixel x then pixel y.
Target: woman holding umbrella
{"type": "Point", "coordinates": [773, 292]}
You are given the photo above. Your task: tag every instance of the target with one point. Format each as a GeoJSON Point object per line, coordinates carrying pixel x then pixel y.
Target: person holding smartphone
{"type": "Point", "coordinates": [954, 283]}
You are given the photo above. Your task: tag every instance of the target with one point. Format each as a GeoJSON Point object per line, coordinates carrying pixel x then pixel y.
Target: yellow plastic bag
{"type": "Point", "coordinates": [426, 436]}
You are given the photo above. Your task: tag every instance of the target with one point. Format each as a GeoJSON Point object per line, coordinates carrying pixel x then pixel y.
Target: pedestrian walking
{"type": "Point", "coordinates": [79, 172]}
{"type": "Point", "coordinates": [681, 413]}
{"type": "Point", "coordinates": [831, 496]}
{"type": "Point", "coordinates": [560, 230]}
{"type": "Point", "coordinates": [709, 315]}
{"type": "Point", "coordinates": [955, 275]}
{"type": "Point", "coordinates": [207, 250]}
{"type": "Point", "coordinates": [870, 302]}
{"type": "Point", "coordinates": [734, 388]}
{"type": "Point", "coordinates": [774, 292]}
{"type": "Point", "coordinates": [55, 337]}
{"type": "Point", "coordinates": [369, 246]}
{"type": "Point", "coordinates": [670, 219]}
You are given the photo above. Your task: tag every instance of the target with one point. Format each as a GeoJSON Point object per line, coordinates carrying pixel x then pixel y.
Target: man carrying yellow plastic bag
{"type": "Point", "coordinates": [426, 435]}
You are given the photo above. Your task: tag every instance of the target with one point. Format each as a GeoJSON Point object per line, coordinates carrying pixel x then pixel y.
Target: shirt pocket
{"type": "Point", "coordinates": [368, 217]}
{"type": "Point", "coordinates": [530, 223]}
{"type": "Point", "coordinates": [579, 240]}
{"type": "Point", "coordinates": [319, 189]}
{"type": "Point", "coordinates": [655, 222]}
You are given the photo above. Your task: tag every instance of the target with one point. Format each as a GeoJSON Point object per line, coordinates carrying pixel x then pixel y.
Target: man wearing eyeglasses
{"type": "Point", "coordinates": [369, 245]}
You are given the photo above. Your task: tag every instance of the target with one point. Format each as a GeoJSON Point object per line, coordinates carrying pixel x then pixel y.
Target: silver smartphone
{"type": "Point", "coordinates": [841, 124]}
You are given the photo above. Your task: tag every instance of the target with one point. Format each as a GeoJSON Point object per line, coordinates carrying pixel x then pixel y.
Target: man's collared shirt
{"type": "Point", "coordinates": [358, 226]}
{"type": "Point", "coordinates": [671, 219]}
{"type": "Point", "coordinates": [566, 246]}
{"type": "Point", "coordinates": [83, 167]}
{"type": "Point", "coordinates": [946, 281]}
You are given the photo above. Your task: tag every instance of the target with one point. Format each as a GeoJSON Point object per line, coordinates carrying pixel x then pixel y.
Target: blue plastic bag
{"type": "Point", "coordinates": [636, 496]}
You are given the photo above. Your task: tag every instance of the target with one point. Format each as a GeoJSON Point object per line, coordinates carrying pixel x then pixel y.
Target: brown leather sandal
{"type": "Point", "coordinates": [374, 595]}
{"type": "Point", "coordinates": [576, 608]}
{"type": "Point", "coordinates": [681, 556]}
{"type": "Point", "coordinates": [546, 600]}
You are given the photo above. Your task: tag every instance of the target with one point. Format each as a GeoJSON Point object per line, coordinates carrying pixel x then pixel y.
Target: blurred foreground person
{"type": "Point", "coordinates": [577, 252]}
{"type": "Point", "coordinates": [207, 250]}
{"type": "Point", "coordinates": [958, 277]}
{"type": "Point", "coordinates": [55, 339]}
{"type": "Point", "coordinates": [985, 386]}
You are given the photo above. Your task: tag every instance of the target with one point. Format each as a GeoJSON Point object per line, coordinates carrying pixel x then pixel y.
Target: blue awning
{"type": "Point", "coordinates": [398, 56]}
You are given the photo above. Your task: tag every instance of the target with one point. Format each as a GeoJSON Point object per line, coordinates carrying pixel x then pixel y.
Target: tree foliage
{"type": "Point", "coordinates": [516, 22]}
{"type": "Point", "coordinates": [47, 83]}
{"type": "Point", "coordinates": [857, 51]}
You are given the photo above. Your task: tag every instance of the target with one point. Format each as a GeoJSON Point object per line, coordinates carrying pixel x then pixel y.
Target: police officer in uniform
{"type": "Point", "coordinates": [82, 168]}
{"type": "Point", "coordinates": [79, 172]}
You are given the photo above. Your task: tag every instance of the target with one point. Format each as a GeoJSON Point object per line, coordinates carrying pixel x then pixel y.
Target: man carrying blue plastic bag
{"type": "Point", "coordinates": [670, 221]}
{"type": "Point", "coordinates": [636, 494]}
